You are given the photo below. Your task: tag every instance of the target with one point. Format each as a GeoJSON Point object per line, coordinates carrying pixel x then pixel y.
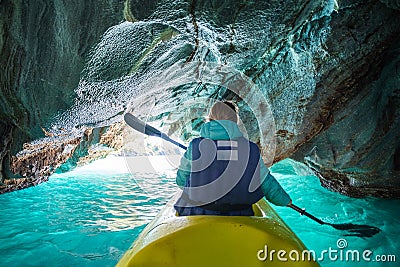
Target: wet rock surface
{"type": "Point", "coordinates": [41, 158]}
{"type": "Point", "coordinates": [328, 69]}
{"type": "Point", "coordinates": [37, 162]}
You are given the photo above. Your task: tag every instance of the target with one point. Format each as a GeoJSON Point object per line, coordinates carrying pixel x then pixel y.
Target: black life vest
{"type": "Point", "coordinates": [225, 175]}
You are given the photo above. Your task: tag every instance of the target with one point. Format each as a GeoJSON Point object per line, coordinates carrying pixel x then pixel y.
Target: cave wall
{"type": "Point", "coordinates": [328, 68]}
{"type": "Point", "coordinates": [330, 71]}
{"type": "Point", "coordinates": [358, 153]}
{"type": "Point", "coordinates": [354, 151]}
{"type": "Point", "coordinates": [44, 46]}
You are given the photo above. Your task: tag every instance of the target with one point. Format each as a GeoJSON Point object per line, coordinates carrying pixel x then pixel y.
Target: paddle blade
{"type": "Point", "coordinates": [352, 229]}
{"type": "Point", "coordinates": [140, 126]}
{"type": "Point", "coordinates": [359, 230]}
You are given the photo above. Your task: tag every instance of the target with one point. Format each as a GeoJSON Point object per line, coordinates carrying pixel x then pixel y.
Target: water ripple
{"type": "Point", "coordinates": [90, 218]}
{"type": "Point", "coordinates": [77, 219]}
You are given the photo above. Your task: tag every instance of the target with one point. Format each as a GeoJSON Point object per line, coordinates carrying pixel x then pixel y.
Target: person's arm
{"type": "Point", "coordinates": [272, 190]}
{"type": "Point", "coordinates": [185, 166]}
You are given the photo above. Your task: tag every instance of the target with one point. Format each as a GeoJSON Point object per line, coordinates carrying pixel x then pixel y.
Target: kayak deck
{"type": "Point", "coordinates": [171, 240]}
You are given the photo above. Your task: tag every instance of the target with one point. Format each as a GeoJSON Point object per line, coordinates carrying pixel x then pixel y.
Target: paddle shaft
{"type": "Point", "coordinates": [146, 129]}
{"type": "Point", "coordinates": [303, 212]}
{"type": "Point", "coordinates": [166, 138]}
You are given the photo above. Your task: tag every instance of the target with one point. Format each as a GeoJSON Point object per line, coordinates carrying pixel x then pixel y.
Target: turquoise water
{"type": "Point", "coordinates": [90, 216]}
{"type": "Point", "coordinates": [305, 190]}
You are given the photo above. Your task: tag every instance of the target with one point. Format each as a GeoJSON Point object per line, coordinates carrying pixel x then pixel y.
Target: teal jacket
{"type": "Point", "coordinates": [224, 130]}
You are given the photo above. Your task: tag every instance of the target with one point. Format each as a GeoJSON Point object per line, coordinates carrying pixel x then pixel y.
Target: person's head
{"type": "Point", "coordinates": [224, 110]}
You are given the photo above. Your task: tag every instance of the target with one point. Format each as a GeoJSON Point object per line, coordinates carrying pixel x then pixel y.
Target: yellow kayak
{"type": "Point", "coordinates": [191, 241]}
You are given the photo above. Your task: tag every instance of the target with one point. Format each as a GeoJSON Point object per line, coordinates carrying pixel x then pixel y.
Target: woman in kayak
{"type": "Point", "coordinates": [222, 172]}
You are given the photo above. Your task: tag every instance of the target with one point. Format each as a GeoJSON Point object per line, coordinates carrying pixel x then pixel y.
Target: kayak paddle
{"type": "Point", "coordinates": [359, 230]}
{"type": "Point", "coordinates": [143, 127]}
{"type": "Point", "coordinates": [354, 229]}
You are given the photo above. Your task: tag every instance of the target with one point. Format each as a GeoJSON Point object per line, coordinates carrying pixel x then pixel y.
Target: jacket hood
{"type": "Point", "coordinates": [220, 130]}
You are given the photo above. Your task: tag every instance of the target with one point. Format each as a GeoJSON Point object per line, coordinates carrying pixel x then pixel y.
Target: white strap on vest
{"type": "Point", "coordinates": [224, 154]}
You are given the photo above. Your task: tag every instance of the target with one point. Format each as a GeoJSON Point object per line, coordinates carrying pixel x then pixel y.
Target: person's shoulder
{"type": "Point", "coordinates": [196, 140]}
